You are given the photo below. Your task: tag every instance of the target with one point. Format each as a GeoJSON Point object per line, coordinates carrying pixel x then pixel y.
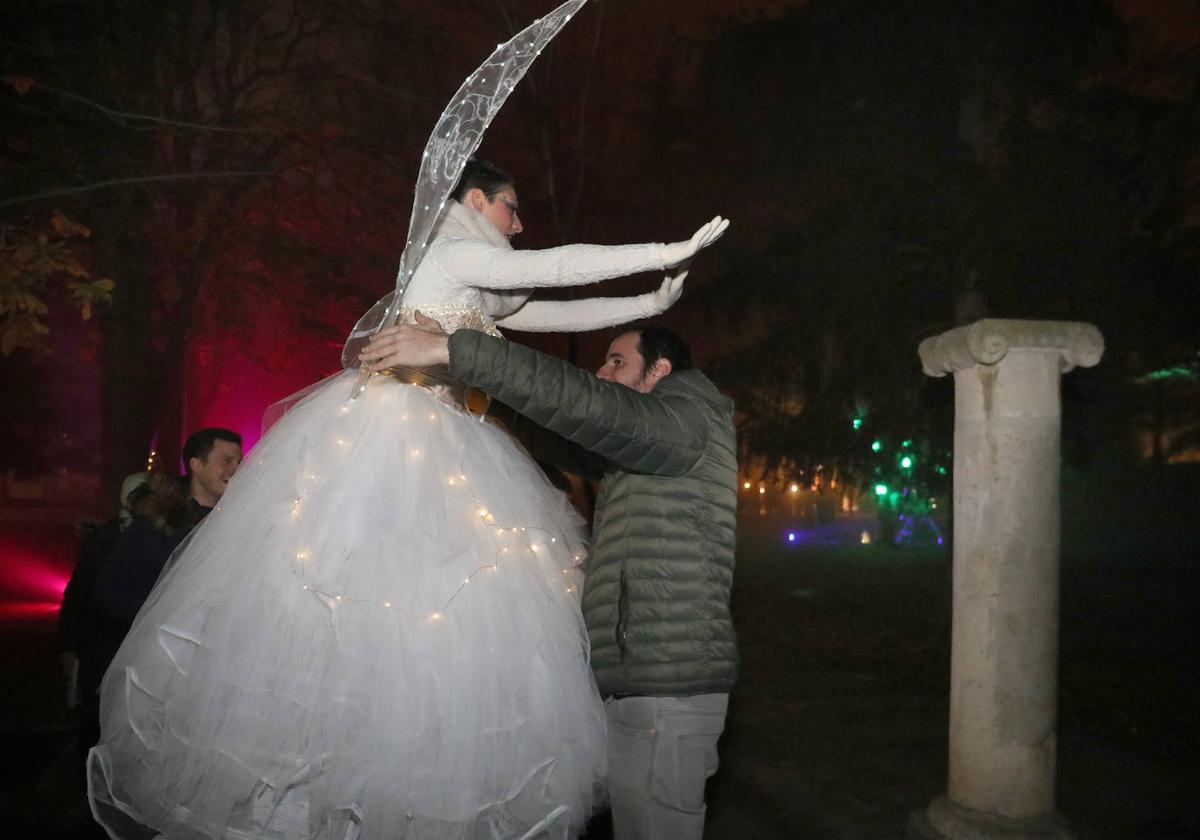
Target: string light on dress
{"type": "Point", "coordinates": [334, 599]}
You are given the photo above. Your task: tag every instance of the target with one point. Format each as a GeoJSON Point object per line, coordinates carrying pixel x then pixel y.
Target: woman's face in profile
{"type": "Point", "coordinates": [501, 210]}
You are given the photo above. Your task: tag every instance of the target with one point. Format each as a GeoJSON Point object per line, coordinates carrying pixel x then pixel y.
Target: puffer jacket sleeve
{"type": "Point", "coordinates": [660, 433]}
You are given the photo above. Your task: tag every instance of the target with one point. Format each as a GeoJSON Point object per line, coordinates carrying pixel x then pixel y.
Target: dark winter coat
{"type": "Point", "coordinates": [119, 592]}
{"type": "Point", "coordinates": [656, 591]}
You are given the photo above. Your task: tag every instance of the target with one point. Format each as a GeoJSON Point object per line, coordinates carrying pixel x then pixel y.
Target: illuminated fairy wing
{"type": "Point", "coordinates": [456, 137]}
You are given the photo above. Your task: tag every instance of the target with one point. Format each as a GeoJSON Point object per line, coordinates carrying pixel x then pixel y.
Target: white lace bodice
{"type": "Point", "coordinates": [452, 318]}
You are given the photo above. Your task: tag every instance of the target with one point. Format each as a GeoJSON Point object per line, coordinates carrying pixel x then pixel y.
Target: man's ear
{"type": "Point", "coordinates": [660, 370]}
{"type": "Point", "coordinates": [194, 464]}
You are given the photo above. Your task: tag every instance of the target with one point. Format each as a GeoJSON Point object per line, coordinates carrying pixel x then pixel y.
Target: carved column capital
{"type": "Point", "coordinates": [988, 341]}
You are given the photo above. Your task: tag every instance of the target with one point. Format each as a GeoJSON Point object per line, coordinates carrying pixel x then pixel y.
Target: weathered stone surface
{"type": "Point", "coordinates": [1004, 647]}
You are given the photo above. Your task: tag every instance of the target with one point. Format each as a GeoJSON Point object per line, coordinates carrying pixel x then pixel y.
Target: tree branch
{"type": "Point", "coordinates": [122, 118]}
{"type": "Point", "coordinates": [120, 182]}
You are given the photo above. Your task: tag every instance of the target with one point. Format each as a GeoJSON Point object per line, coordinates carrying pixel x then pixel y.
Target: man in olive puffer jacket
{"type": "Point", "coordinates": [656, 592]}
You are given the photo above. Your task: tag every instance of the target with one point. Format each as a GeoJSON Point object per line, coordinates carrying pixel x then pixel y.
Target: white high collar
{"type": "Point", "coordinates": [462, 222]}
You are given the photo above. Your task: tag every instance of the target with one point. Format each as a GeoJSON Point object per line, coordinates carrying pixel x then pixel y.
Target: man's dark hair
{"type": "Point", "coordinates": [486, 176]}
{"type": "Point", "coordinates": [201, 442]}
{"type": "Point", "coordinates": [658, 342]}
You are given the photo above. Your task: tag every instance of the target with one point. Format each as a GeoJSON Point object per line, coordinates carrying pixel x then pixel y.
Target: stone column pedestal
{"type": "Point", "coordinates": [1004, 650]}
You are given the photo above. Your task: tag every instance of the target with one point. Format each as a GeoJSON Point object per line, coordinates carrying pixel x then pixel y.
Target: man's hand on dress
{"type": "Point", "coordinates": [677, 253]}
{"type": "Point", "coordinates": [422, 344]}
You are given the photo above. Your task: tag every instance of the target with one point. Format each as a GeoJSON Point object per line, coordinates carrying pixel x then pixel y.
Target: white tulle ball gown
{"type": "Point", "coordinates": [376, 634]}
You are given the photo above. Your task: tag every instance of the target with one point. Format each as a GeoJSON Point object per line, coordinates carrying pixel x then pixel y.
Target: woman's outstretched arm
{"type": "Point", "coordinates": [569, 265]}
{"type": "Point", "coordinates": [593, 313]}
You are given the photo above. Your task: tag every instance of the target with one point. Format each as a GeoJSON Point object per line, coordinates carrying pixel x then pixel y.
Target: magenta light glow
{"type": "Point", "coordinates": [32, 579]}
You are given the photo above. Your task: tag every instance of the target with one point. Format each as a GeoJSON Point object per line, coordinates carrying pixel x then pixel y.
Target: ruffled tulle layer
{"type": "Point", "coordinates": [375, 635]}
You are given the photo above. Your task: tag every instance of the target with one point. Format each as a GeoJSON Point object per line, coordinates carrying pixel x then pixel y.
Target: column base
{"type": "Point", "coordinates": [944, 820]}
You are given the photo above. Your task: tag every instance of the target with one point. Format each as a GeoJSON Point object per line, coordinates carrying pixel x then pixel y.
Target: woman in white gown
{"type": "Point", "coordinates": [376, 634]}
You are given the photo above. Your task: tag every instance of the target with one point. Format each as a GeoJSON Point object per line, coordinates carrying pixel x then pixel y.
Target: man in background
{"type": "Point", "coordinates": [210, 458]}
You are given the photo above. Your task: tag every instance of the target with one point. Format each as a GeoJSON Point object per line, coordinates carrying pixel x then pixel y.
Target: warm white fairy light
{"type": "Point", "coordinates": [335, 599]}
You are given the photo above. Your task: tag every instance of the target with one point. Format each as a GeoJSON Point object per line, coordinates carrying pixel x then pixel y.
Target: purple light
{"type": "Point", "coordinates": [791, 536]}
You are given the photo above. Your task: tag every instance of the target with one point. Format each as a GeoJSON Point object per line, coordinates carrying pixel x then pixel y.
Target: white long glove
{"type": "Point", "coordinates": [669, 292]}
{"type": "Point", "coordinates": [675, 253]}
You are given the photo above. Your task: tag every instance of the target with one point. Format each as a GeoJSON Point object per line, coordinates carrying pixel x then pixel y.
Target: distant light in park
{"type": "Point", "coordinates": [791, 536]}
{"type": "Point", "coordinates": [762, 490]}
{"type": "Point", "coordinates": [941, 470]}
{"type": "Point", "coordinates": [881, 489]}
{"type": "Point", "coordinates": [746, 485]}
{"type": "Point", "coordinates": [876, 446]}
{"type": "Point", "coordinates": [907, 444]}
{"type": "Point", "coordinates": [865, 539]}
{"type": "Point", "coordinates": [1177, 372]}
{"type": "Point", "coordinates": [856, 423]}
{"type": "Point", "coordinates": [795, 488]}
{"type": "Point", "coordinates": [906, 462]}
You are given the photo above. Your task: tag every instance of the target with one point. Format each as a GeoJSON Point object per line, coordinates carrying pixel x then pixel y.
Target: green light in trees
{"type": "Point", "coordinates": [856, 423]}
{"type": "Point", "coordinates": [907, 443]}
{"type": "Point", "coordinates": [881, 489]}
{"type": "Point", "coordinates": [1178, 372]}
{"type": "Point", "coordinates": [941, 470]}
{"type": "Point", "coordinates": [906, 462]}
{"type": "Point", "coordinates": [876, 446]}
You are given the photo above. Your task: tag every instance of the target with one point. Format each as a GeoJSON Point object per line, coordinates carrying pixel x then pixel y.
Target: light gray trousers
{"type": "Point", "coordinates": [661, 751]}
